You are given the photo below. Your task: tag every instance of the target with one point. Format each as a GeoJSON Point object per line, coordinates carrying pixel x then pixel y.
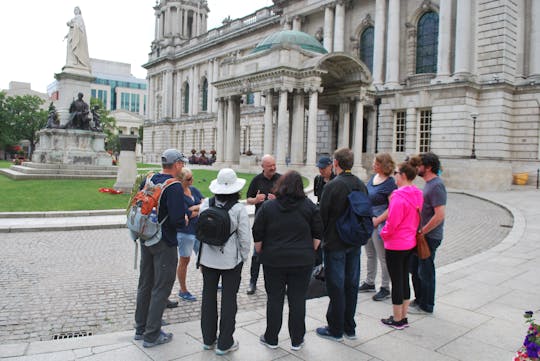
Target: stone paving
{"type": "Point", "coordinates": [54, 283]}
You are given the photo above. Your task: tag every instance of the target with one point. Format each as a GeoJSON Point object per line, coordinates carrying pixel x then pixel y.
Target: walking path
{"type": "Point", "coordinates": [478, 314]}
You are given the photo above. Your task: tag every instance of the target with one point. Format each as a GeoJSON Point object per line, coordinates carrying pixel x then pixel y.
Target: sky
{"type": "Point", "coordinates": [32, 33]}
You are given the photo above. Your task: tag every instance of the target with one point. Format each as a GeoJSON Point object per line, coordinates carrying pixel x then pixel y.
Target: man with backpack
{"type": "Point", "coordinates": [342, 260]}
{"type": "Point", "coordinates": [159, 260]}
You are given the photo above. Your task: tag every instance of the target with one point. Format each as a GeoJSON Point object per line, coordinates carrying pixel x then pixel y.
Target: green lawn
{"type": "Point", "coordinates": [5, 164]}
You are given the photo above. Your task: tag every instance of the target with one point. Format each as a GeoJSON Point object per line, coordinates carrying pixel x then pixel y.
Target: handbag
{"type": "Point", "coordinates": [422, 247]}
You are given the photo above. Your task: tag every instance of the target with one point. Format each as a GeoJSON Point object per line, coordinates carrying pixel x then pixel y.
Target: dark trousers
{"type": "Point", "coordinates": [342, 272]}
{"type": "Point", "coordinates": [255, 266]}
{"type": "Point", "coordinates": [397, 263]}
{"type": "Point", "coordinates": [423, 277]}
{"type": "Point", "coordinates": [230, 283]}
{"type": "Point", "coordinates": [156, 280]}
{"type": "Point", "coordinates": [294, 282]}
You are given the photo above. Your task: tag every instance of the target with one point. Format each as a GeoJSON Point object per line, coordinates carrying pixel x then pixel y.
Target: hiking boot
{"type": "Point", "coordinates": [324, 332]}
{"type": "Point", "coordinates": [264, 342]}
{"type": "Point", "coordinates": [366, 287]}
{"type": "Point", "coordinates": [164, 337]}
{"type": "Point", "coordinates": [186, 296]}
{"type": "Point", "coordinates": [251, 289]}
{"type": "Point", "coordinates": [234, 347]}
{"type": "Point", "coordinates": [383, 294]}
{"type": "Point", "coordinates": [398, 325]}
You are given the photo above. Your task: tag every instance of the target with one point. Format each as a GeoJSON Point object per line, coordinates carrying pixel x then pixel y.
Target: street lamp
{"type": "Point", "coordinates": [473, 152]}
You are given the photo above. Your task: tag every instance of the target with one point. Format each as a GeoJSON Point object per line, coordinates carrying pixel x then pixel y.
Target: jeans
{"type": "Point", "coordinates": [156, 280]}
{"type": "Point", "coordinates": [294, 282]}
{"type": "Point", "coordinates": [255, 266]}
{"type": "Point", "coordinates": [423, 277]}
{"type": "Point", "coordinates": [342, 272]}
{"type": "Point", "coordinates": [187, 244]}
{"type": "Point", "coordinates": [230, 283]}
{"type": "Point", "coordinates": [375, 251]}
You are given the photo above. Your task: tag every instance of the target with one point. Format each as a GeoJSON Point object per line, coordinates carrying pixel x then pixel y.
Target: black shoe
{"type": "Point", "coordinates": [251, 289]}
{"type": "Point", "coordinates": [398, 325]}
{"type": "Point", "coordinates": [366, 287]}
{"type": "Point", "coordinates": [172, 304]}
{"type": "Point", "coordinates": [383, 294]}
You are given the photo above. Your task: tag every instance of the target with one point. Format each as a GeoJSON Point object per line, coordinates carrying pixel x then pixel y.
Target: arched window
{"type": "Point", "coordinates": [186, 98]}
{"type": "Point", "coordinates": [427, 42]}
{"type": "Point", "coordinates": [366, 47]}
{"type": "Point", "coordinates": [205, 95]}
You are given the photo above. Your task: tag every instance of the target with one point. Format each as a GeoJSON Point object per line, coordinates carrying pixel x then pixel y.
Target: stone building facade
{"type": "Point", "coordinates": [303, 77]}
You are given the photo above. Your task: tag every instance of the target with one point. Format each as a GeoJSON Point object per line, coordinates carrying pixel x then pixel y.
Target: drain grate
{"type": "Point", "coordinates": [64, 335]}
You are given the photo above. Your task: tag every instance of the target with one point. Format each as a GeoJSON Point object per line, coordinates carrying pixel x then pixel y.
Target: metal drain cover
{"type": "Point", "coordinates": [64, 335]}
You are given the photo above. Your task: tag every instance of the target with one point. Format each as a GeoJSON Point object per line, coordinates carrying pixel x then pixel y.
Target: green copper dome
{"type": "Point", "coordinates": [303, 40]}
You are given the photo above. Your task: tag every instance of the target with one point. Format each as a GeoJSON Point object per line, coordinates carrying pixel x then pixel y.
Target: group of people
{"type": "Point", "coordinates": [289, 233]}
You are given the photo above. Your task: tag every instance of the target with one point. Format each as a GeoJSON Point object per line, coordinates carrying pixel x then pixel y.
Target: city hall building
{"type": "Point", "coordinates": [301, 78]}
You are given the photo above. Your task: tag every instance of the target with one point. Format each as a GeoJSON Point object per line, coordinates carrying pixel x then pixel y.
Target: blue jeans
{"type": "Point", "coordinates": [342, 272]}
{"type": "Point", "coordinates": [423, 277]}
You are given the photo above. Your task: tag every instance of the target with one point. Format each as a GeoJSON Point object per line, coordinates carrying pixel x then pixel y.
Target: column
{"type": "Point", "coordinates": [268, 140]}
{"type": "Point", "coordinates": [191, 82]}
{"type": "Point", "coordinates": [312, 128]}
{"type": "Point", "coordinates": [150, 99]}
{"type": "Point", "coordinates": [156, 28]}
{"type": "Point", "coordinates": [184, 25]}
{"type": "Point", "coordinates": [210, 90]}
{"type": "Point", "coordinates": [215, 75]}
{"type": "Point", "coordinates": [339, 27]}
{"type": "Point", "coordinates": [410, 126]}
{"type": "Point", "coordinates": [358, 130]}
{"type": "Point", "coordinates": [444, 47]}
{"type": "Point", "coordinates": [168, 91]}
{"type": "Point", "coordinates": [328, 36]}
{"type": "Point", "coordinates": [463, 39]}
{"type": "Point", "coordinates": [344, 125]}
{"type": "Point", "coordinates": [378, 46]}
{"type": "Point", "coordinates": [534, 58]}
{"type": "Point", "coordinates": [282, 147]}
{"type": "Point", "coordinates": [230, 136]}
{"type": "Point", "coordinates": [297, 23]}
{"type": "Point", "coordinates": [297, 133]}
{"type": "Point", "coordinates": [220, 143]}
{"type": "Point", "coordinates": [161, 28]}
{"type": "Point", "coordinates": [392, 47]}
{"type": "Point", "coordinates": [236, 123]}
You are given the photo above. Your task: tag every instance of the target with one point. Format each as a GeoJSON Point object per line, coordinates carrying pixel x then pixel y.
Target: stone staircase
{"type": "Point", "coordinates": [30, 170]}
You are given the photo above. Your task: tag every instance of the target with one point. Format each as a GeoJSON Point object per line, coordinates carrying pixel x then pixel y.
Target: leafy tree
{"type": "Point", "coordinates": [108, 124]}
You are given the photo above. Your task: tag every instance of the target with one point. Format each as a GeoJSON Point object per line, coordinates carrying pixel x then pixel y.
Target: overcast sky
{"type": "Point", "coordinates": [32, 33]}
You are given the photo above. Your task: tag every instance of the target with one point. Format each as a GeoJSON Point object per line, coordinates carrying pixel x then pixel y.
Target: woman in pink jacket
{"type": "Point", "coordinates": [399, 236]}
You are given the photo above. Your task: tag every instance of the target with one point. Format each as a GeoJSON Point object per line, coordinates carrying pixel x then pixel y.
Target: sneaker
{"type": "Point", "coordinates": [324, 332]}
{"type": "Point", "coordinates": [234, 347]}
{"type": "Point", "coordinates": [251, 289]}
{"type": "Point", "coordinates": [418, 310]}
{"type": "Point", "coordinates": [264, 342]}
{"type": "Point", "coordinates": [398, 325]}
{"type": "Point", "coordinates": [383, 294]}
{"type": "Point", "coordinates": [186, 296]}
{"type": "Point", "coordinates": [172, 304]}
{"type": "Point", "coordinates": [366, 287]}
{"type": "Point", "coordinates": [405, 322]}
{"type": "Point", "coordinates": [138, 336]}
{"type": "Point", "coordinates": [414, 303]}
{"type": "Point", "coordinates": [164, 337]}
{"type": "Point", "coordinates": [350, 335]}
{"type": "Point", "coordinates": [209, 347]}
{"type": "Point", "coordinates": [297, 347]}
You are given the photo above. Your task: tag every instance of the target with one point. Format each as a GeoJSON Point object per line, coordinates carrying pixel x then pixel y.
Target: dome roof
{"type": "Point", "coordinates": [303, 40]}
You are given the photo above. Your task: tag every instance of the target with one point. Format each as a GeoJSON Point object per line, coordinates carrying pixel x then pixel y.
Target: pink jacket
{"type": "Point", "coordinates": [399, 232]}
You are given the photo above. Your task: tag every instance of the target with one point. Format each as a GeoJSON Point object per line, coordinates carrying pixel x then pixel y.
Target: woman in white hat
{"type": "Point", "coordinates": [224, 262]}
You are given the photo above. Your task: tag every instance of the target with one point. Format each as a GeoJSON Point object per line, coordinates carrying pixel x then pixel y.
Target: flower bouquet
{"type": "Point", "coordinates": [531, 346]}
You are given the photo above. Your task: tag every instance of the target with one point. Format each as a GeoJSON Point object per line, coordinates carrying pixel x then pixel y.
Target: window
{"type": "Point", "coordinates": [186, 98]}
{"type": "Point", "coordinates": [124, 101]}
{"type": "Point", "coordinates": [426, 43]}
{"type": "Point", "coordinates": [366, 47]}
{"type": "Point", "coordinates": [250, 98]}
{"type": "Point", "coordinates": [400, 130]}
{"type": "Point", "coordinates": [205, 95]}
{"type": "Point", "coordinates": [424, 134]}
{"type": "Point", "coordinates": [134, 106]}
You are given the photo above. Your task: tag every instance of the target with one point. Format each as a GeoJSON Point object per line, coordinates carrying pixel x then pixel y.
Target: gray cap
{"type": "Point", "coordinates": [171, 156]}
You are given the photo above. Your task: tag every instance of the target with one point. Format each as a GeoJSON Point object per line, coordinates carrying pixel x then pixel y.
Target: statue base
{"type": "Point", "coordinates": [71, 82]}
{"type": "Point", "coordinates": [71, 146]}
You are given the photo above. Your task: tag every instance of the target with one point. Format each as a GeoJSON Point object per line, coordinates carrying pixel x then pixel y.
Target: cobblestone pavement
{"type": "Point", "coordinates": [54, 283]}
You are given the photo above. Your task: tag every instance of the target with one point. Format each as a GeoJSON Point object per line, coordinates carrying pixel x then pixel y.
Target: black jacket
{"type": "Point", "coordinates": [333, 204]}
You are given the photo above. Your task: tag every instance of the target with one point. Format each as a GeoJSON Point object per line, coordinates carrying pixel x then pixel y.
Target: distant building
{"type": "Point", "coordinates": [17, 88]}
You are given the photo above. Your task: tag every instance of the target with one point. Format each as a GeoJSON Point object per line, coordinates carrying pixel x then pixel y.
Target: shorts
{"type": "Point", "coordinates": [187, 243]}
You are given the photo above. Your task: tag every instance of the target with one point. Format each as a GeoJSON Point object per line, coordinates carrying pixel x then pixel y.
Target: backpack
{"type": "Point", "coordinates": [214, 224]}
{"type": "Point", "coordinates": [141, 219]}
{"type": "Point", "coordinates": [355, 225]}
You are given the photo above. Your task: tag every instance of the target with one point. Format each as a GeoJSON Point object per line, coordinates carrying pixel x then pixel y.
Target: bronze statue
{"type": "Point", "coordinates": [78, 114]}
{"type": "Point", "coordinates": [96, 126]}
{"type": "Point", "coordinates": [52, 119]}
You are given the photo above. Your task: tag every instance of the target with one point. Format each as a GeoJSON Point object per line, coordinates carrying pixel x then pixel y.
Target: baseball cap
{"type": "Point", "coordinates": [324, 162]}
{"type": "Point", "coordinates": [171, 156]}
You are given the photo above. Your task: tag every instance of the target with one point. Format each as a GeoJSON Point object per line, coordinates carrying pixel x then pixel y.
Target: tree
{"type": "Point", "coordinates": [108, 124]}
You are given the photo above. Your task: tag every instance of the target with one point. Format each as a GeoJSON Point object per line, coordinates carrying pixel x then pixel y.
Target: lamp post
{"type": "Point", "coordinates": [473, 152]}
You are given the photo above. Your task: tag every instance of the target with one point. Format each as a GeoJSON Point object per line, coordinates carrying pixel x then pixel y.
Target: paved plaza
{"type": "Point", "coordinates": [84, 281]}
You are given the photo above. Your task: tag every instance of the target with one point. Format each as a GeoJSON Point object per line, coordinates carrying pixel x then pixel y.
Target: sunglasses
{"type": "Point", "coordinates": [396, 172]}
{"type": "Point", "coordinates": [189, 179]}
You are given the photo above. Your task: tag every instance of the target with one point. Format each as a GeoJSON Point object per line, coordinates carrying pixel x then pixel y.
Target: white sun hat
{"type": "Point", "coordinates": [227, 182]}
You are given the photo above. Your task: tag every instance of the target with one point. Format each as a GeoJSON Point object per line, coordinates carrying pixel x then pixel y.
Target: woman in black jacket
{"type": "Point", "coordinates": [286, 232]}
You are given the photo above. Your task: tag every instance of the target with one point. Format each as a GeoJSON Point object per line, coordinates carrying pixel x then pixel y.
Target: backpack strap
{"type": "Point", "coordinates": [164, 186]}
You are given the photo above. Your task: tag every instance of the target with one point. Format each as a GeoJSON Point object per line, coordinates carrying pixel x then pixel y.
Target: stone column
{"type": "Point", "coordinates": [312, 128]}
{"type": "Point", "coordinates": [150, 98]}
{"type": "Point", "coordinates": [445, 35]}
{"type": "Point", "coordinates": [339, 27]}
{"type": "Point", "coordinates": [161, 25]}
{"type": "Point", "coordinates": [463, 39]}
{"type": "Point", "coordinates": [168, 91]}
{"type": "Point", "coordinates": [297, 23]}
{"type": "Point", "coordinates": [328, 36]}
{"type": "Point", "coordinates": [534, 58]}
{"type": "Point", "coordinates": [297, 134]}
{"type": "Point", "coordinates": [195, 89]}
{"type": "Point", "coordinates": [230, 137]}
{"type": "Point", "coordinates": [215, 77]}
{"type": "Point", "coordinates": [282, 147]}
{"type": "Point", "coordinates": [191, 82]}
{"type": "Point", "coordinates": [268, 140]}
{"type": "Point", "coordinates": [156, 28]}
{"type": "Point", "coordinates": [392, 47]}
{"type": "Point", "coordinates": [378, 45]}
{"type": "Point", "coordinates": [411, 129]}
{"type": "Point", "coordinates": [344, 125]}
{"type": "Point", "coordinates": [358, 130]}
{"type": "Point", "coordinates": [184, 25]}
{"type": "Point", "coordinates": [220, 143]}
{"type": "Point", "coordinates": [236, 123]}
{"type": "Point", "coordinates": [210, 90]}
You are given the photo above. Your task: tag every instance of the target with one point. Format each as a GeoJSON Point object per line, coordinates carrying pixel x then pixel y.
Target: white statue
{"type": "Point", "coordinates": [77, 47]}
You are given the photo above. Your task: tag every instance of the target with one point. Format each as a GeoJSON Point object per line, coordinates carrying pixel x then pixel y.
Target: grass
{"type": "Point", "coordinates": [5, 164]}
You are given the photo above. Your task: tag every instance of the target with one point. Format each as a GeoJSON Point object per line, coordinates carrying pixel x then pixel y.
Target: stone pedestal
{"type": "Point", "coordinates": [70, 83]}
{"type": "Point", "coordinates": [71, 146]}
{"type": "Point", "coordinates": [127, 169]}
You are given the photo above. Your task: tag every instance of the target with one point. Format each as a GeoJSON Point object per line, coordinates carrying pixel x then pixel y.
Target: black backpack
{"type": "Point", "coordinates": [214, 225]}
{"type": "Point", "coordinates": [355, 225]}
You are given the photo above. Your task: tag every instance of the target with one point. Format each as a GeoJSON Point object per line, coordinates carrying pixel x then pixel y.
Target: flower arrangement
{"type": "Point", "coordinates": [531, 346]}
